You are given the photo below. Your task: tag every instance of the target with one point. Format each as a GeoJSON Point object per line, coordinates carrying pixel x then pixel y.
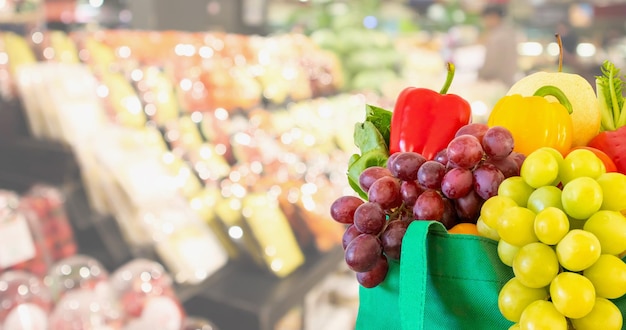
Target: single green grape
{"type": "Point", "coordinates": [559, 159]}
{"type": "Point", "coordinates": [514, 297]}
{"type": "Point", "coordinates": [535, 265]}
{"type": "Point", "coordinates": [581, 197]}
{"type": "Point", "coordinates": [493, 208]}
{"type": "Point", "coordinates": [539, 169]}
{"type": "Point", "coordinates": [604, 315]}
{"type": "Point", "coordinates": [542, 315]}
{"type": "Point", "coordinates": [516, 188]}
{"type": "Point", "coordinates": [610, 229]}
{"type": "Point", "coordinates": [578, 250]}
{"type": "Point", "coordinates": [581, 163]}
{"type": "Point", "coordinates": [516, 226]}
{"type": "Point", "coordinates": [573, 295]}
{"type": "Point", "coordinates": [486, 231]}
{"type": "Point", "coordinates": [613, 192]}
{"type": "Point", "coordinates": [507, 252]}
{"type": "Point", "coordinates": [551, 225]}
{"type": "Point", "coordinates": [543, 197]}
{"type": "Point", "coordinates": [608, 276]}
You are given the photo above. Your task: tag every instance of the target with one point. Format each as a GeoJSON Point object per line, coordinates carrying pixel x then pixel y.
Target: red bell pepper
{"type": "Point", "coordinates": [425, 121]}
{"type": "Point", "coordinates": [613, 143]}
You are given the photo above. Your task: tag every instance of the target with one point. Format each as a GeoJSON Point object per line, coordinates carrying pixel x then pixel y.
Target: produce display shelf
{"type": "Point", "coordinates": [239, 296]}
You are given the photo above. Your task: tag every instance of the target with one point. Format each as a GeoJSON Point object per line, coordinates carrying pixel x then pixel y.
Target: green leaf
{"type": "Point", "coordinates": [375, 157]}
{"type": "Point", "coordinates": [353, 159]}
{"type": "Point", "coordinates": [355, 186]}
{"type": "Point", "coordinates": [381, 119]}
{"type": "Point", "coordinates": [372, 139]}
{"type": "Point", "coordinates": [367, 137]}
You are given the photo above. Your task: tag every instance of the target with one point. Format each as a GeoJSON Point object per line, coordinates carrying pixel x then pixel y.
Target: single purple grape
{"type": "Point", "coordinates": [498, 142]}
{"type": "Point", "coordinates": [465, 151]}
{"type": "Point", "coordinates": [370, 175]}
{"type": "Point", "coordinates": [386, 192]}
{"type": "Point", "coordinates": [457, 183]}
{"type": "Point", "coordinates": [406, 165]}
{"type": "Point", "coordinates": [487, 179]}
{"type": "Point", "coordinates": [429, 206]}
{"type": "Point", "coordinates": [477, 130]}
{"type": "Point", "coordinates": [370, 218]}
{"type": "Point", "coordinates": [410, 190]}
{"type": "Point", "coordinates": [468, 207]}
{"type": "Point", "coordinates": [374, 276]}
{"type": "Point", "coordinates": [343, 208]}
{"type": "Point", "coordinates": [363, 252]}
{"type": "Point", "coordinates": [350, 233]}
{"type": "Point", "coordinates": [430, 174]}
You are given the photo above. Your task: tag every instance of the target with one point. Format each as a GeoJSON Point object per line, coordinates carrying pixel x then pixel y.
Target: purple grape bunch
{"type": "Point", "coordinates": [451, 189]}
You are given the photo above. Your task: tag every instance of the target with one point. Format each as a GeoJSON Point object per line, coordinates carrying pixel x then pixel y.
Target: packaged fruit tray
{"type": "Point", "coordinates": [516, 223]}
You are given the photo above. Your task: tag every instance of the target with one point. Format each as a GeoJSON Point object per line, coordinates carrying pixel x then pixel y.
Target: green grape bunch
{"type": "Point", "coordinates": [560, 226]}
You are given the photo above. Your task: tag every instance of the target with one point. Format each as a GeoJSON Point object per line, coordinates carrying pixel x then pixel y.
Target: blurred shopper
{"type": "Point", "coordinates": [500, 43]}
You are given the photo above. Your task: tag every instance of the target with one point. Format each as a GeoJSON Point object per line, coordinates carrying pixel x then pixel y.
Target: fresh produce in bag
{"type": "Point", "coordinates": [535, 220]}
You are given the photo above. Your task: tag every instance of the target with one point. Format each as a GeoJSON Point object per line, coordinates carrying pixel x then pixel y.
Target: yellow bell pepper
{"type": "Point", "coordinates": [534, 121]}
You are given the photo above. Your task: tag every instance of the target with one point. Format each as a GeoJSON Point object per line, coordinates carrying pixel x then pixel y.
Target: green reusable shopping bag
{"type": "Point", "coordinates": [443, 282]}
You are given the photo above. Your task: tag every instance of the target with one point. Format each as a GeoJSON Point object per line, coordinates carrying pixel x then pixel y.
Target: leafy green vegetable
{"type": "Point", "coordinates": [381, 119]}
{"type": "Point", "coordinates": [609, 91]}
{"type": "Point", "coordinates": [367, 137]}
{"type": "Point", "coordinates": [375, 157]}
{"type": "Point", "coordinates": [372, 139]}
{"type": "Point", "coordinates": [353, 159]}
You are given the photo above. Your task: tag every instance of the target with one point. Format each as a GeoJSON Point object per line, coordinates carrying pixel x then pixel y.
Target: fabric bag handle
{"type": "Point", "coordinates": [414, 273]}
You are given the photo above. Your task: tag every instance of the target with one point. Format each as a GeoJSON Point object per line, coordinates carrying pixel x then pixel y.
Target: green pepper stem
{"type": "Point", "coordinates": [449, 77]}
{"type": "Point", "coordinates": [557, 93]}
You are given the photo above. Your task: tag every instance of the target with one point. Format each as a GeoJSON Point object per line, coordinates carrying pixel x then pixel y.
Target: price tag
{"type": "Point", "coordinates": [17, 242]}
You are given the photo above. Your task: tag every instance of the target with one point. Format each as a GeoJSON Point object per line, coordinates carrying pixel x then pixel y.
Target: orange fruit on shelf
{"type": "Point", "coordinates": [464, 228]}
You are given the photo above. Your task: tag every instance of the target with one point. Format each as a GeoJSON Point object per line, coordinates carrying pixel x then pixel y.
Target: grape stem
{"type": "Point", "coordinates": [397, 212]}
